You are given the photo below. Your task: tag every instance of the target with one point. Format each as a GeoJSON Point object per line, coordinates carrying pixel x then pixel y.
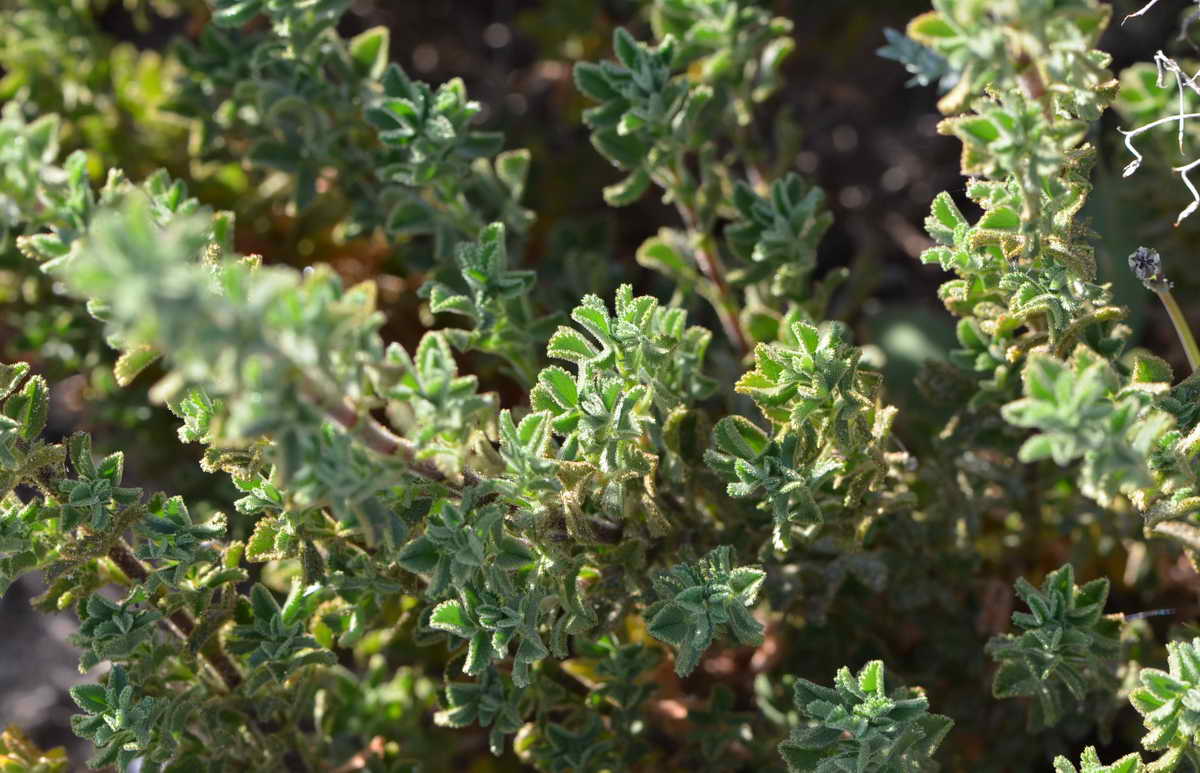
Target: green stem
{"type": "Point", "coordinates": [1182, 329]}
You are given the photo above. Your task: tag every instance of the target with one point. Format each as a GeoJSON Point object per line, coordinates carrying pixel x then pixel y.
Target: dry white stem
{"type": "Point", "coordinates": [1145, 8]}
{"type": "Point", "coordinates": [1164, 65]}
{"type": "Point", "coordinates": [1133, 165]}
{"type": "Point", "coordinates": [1183, 171]}
{"type": "Point", "coordinates": [1190, 208]}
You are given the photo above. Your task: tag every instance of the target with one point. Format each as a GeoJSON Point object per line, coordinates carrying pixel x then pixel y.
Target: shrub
{"type": "Point", "coordinates": [570, 531]}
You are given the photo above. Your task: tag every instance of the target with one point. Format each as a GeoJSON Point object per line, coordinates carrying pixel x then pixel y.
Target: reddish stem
{"type": "Point", "coordinates": [710, 266]}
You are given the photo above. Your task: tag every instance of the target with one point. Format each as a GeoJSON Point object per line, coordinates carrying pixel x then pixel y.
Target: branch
{"type": "Point", "coordinates": [378, 437]}
{"type": "Point", "coordinates": [710, 266]}
{"type": "Point", "coordinates": [1033, 86]}
{"type": "Point", "coordinates": [1144, 9]}
{"type": "Point", "coordinates": [180, 620]}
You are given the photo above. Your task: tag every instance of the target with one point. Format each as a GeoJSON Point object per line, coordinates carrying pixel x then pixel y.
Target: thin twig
{"type": "Point", "coordinates": [1166, 65]}
{"type": "Point", "coordinates": [378, 437]}
{"type": "Point", "coordinates": [1032, 84]}
{"type": "Point", "coordinates": [1184, 170]}
{"type": "Point", "coordinates": [710, 266]}
{"type": "Point", "coordinates": [182, 622]}
{"type": "Point", "coordinates": [1144, 9]}
{"type": "Point", "coordinates": [1190, 208]}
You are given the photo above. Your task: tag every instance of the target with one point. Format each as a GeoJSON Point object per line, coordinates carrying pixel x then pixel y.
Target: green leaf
{"type": "Point", "coordinates": [1147, 369]}
{"type": "Point", "coordinates": [626, 151]}
{"type": "Point", "coordinates": [512, 553]}
{"type": "Point", "coordinates": [567, 344]}
{"type": "Point", "coordinates": [628, 190]}
{"type": "Point", "coordinates": [626, 48]}
{"type": "Point", "coordinates": [419, 556]}
{"type": "Point", "coordinates": [42, 136]}
{"type": "Point", "coordinates": [479, 653]}
{"type": "Point", "coordinates": [699, 600]}
{"type": "Point", "coordinates": [857, 726]}
{"type": "Point", "coordinates": [11, 377]}
{"type": "Point", "coordinates": [591, 81]}
{"type": "Point", "coordinates": [659, 254]}
{"type": "Point", "coordinates": [409, 218]}
{"type": "Point", "coordinates": [512, 167]}
{"type": "Point", "coordinates": [132, 362]}
{"type": "Point", "coordinates": [671, 625]}
{"type": "Point", "coordinates": [261, 545]}
{"type": "Point", "coordinates": [929, 26]}
{"type": "Point", "coordinates": [1090, 763]}
{"type": "Point", "coordinates": [263, 602]}
{"type": "Point", "coordinates": [235, 14]}
{"type": "Point", "coordinates": [1002, 219]}
{"type": "Point", "coordinates": [369, 50]}
{"type": "Point", "coordinates": [89, 697]}
{"type": "Point", "coordinates": [945, 220]}
{"type": "Point", "coordinates": [1169, 717]}
{"type": "Point", "coordinates": [30, 406]}
{"type": "Point", "coordinates": [740, 437]}
{"type": "Point", "coordinates": [979, 129]}
{"type": "Point", "coordinates": [1067, 650]}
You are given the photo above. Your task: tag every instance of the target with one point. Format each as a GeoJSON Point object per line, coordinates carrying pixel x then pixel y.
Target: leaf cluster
{"type": "Point", "coordinates": [858, 725]}
{"type": "Point", "coordinates": [1066, 651]}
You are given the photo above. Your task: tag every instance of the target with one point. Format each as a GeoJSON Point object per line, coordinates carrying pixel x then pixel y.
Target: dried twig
{"type": "Point", "coordinates": [1143, 10]}
{"type": "Point", "coordinates": [1182, 81]}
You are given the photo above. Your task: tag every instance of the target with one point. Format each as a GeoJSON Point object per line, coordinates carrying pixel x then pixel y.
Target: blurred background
{"type": "Point", "coordinates": [109, 69]}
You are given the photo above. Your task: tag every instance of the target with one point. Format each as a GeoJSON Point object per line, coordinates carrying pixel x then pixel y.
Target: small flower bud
{"type": "Point", "coordinates": [1146, 265]}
